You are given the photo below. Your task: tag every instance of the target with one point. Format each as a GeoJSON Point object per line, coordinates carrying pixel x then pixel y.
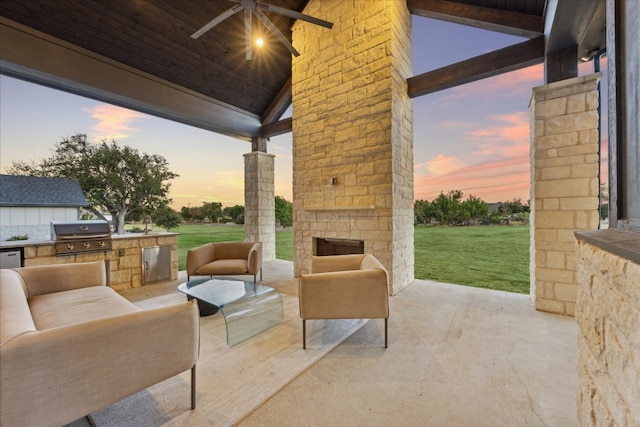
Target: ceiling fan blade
{"type": "Point", "coordinates": [248, 48]}
{"type": "Point", "coordinates": [295, 15]}
{"type": "Point", "coordinates": [267, 22]}
{"type": "Point", "coordinates": [218, 19]}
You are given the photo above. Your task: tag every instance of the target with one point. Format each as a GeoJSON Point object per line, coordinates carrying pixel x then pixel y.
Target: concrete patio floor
{"type": "Point", "coordinates": [457, 356]}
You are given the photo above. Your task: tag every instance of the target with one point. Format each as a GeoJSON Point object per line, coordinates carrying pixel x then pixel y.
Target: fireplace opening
{"type": "Point", "coordinates": [324, 247]}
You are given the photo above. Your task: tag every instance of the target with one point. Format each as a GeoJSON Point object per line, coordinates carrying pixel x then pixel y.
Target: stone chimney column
{"type": "Point", "coordinates": [353, 132]}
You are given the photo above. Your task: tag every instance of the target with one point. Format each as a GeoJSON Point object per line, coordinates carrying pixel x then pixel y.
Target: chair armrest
{"type": "Point", "coordinates": [47, 279]}
{"type": "Point", "coordinates": [254, 260]}
{"type": "Point", "coordinates": [103, 360]}
{"type": "Point", "coordinates": [199, 256]}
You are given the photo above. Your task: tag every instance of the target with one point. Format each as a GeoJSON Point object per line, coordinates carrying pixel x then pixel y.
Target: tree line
{"type": "Point", "coordinates": [128, 185]}
{"type": "Point", "coordinates": [134, 186]}
{"type": "Point", "coordinates": [450, 209]}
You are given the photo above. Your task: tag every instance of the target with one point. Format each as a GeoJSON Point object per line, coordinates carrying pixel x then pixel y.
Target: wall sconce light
{"type": "Point", "coordinates": [333, 180]}
{"type": "Point", "coordinates": [589, 55]}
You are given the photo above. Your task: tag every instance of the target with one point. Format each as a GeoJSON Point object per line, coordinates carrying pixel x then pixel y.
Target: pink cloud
{"type": "Point", "coordinates": [491, 181]}
{"type": "Point", "coordinates": [496, 168]}
{"type": "Point", "coordinates": [442, 164]}
{"type": "Point", "coordinates": [514, 83]}
{"type": "Point", "coordinates": [509, 137]}
{"type": "Point", "coordinates": [113, 122]}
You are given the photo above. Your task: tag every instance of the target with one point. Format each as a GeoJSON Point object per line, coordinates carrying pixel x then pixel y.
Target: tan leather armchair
{"type": "Point", "coordinates": [225, 258]}
{"type": "Point", "coordinates": [344, 287]}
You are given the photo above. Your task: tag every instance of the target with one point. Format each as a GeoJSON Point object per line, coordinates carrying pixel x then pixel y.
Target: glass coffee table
{"type": "Point", "coordinates": [248, 308]}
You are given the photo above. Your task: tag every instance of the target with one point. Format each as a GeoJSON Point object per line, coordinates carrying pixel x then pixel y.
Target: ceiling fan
{"type": "Point", "coordinates": [255, 7]}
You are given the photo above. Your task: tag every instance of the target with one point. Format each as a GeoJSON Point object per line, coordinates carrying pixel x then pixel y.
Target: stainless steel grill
{"type": "Point", "coordinates": [78, 237]}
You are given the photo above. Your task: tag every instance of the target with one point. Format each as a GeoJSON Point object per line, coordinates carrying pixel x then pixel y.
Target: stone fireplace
{"type": "Point", "coordinates": [324, 247]}
{"type": "Point", "coordinates": [353, 133]}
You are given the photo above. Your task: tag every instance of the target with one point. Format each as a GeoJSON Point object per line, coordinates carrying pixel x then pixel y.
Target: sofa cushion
{"type": "Point", "coordinates": [78, 306]}
{"type": "Point", "coordinates": [15, 317]}
{"type": "Point", "coordinates": [47, 279]}
{"type": "Point", "coordinates": [224, 266]}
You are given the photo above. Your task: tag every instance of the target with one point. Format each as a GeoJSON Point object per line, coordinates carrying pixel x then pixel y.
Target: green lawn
{"type": "Point", "coordinates": [494, 257]}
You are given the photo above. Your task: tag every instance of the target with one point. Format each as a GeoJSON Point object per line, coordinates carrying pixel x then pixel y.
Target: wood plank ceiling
{"type": "Point", "coordinates": [154, 36]}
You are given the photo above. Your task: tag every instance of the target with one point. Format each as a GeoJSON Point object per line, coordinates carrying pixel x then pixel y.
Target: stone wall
{"type": "Point", "coordinates": [353, 122]}
{"type": "Point", "coordinates": [259, 202]}
{"type": "Point", "coordinates": [125, 257]}
{"type": "Point", "coordinates": [608, 314]}
{"type": "Point", "coordinates": [564, 186]}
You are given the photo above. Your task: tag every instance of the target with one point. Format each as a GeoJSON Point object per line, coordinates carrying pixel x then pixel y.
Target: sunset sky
{"type": "Point", "coordinates": [473, 138]}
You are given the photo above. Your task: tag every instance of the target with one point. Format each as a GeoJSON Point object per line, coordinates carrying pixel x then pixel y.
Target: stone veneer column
{"type": "Point", "coordinates": [259, 202]}
{"type": "Point", "coordinates": [608, 314]}
{"type": "Point", "coordinates": [353, 121]}
{"type": "Point", "coordinates": [564, 186]}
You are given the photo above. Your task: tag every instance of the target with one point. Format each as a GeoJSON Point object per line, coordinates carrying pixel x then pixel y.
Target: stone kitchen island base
{"type": "Point", "coordinates": [126, 264]}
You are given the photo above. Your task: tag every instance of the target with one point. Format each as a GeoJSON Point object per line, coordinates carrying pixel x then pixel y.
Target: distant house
{"type": "Point", "coordinates": [494, 207]}
{"type": "Point", "coordinates": [28, 204]}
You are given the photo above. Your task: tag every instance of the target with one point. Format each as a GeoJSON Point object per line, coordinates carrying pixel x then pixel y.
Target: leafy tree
{"type": "Point", "coordinates": [512, 207]}
{"type": "Point", "coordinates": [447, 208]}
{"type": "Point", "coordinates": [450, 209]}
{"type": "Point", "coordinates": [604, 200]}
{"type": "Point", "coordinates": [166, 217]}
{"type": "Point", "coordinates": [116, 179]}
{"type": "Point", "coordinates": [212, 211]}
{"type": "Point", "coordinates": [284, 212]}
{"type": "Point", "coordinates": [186, 213]}
{"type": "Point", "coordinates": [422, 211]}
{"type": "Point", "coordinates": [475, 208]}
{"type": "Point", "coordinates": [236, 213]}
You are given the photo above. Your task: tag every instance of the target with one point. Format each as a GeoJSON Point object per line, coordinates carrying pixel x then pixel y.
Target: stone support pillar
{"type": "Point", "coordinates": [564, 186]}
{"type": "Point", "coordinates": [353, 132]}
{"type": "Point", "coordinates": [259, 202]}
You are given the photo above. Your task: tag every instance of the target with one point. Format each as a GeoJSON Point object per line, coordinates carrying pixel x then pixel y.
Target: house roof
{"type": "Point", "coordinates": [39, 192]}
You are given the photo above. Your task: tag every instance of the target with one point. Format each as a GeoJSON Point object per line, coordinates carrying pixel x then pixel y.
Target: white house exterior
{"type": "Point", "coordinates": [28, 205]}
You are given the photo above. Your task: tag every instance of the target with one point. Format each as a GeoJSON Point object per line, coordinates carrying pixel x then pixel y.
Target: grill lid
{"type": "Point", "coordinates": [74, 230]}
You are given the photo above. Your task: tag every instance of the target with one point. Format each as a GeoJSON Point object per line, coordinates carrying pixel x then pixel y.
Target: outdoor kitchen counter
{"type": "Point", "coordinates": [125, 256]}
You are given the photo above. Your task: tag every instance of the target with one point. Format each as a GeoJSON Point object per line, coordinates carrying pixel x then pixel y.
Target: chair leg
{"type": "Point", "coordinates": [261, 274]}
{"type": "Point", "coordinates": [193, 387]}
{"type": "Point", "coordinates": [304, 334]}
{"type": "Point", "coordinates": [385, 332]}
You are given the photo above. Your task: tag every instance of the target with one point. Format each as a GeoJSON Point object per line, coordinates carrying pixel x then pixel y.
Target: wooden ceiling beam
{"type": "Point", "coordinates": [277, 128]}
{"type": "Point", "coordinates": [491, 64]}
{"type": "Point", "coordinates": [279, 104]}
{"type": "Point", "coordinates": [504, 21]}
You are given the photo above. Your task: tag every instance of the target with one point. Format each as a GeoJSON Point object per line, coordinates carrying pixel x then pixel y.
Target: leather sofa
{"type": "Point", "coordinates": [70, 345]}
{"type": "Point", "coordinates": [225, 258]}
{"type": "Point", "coordinates": [344, 287]}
